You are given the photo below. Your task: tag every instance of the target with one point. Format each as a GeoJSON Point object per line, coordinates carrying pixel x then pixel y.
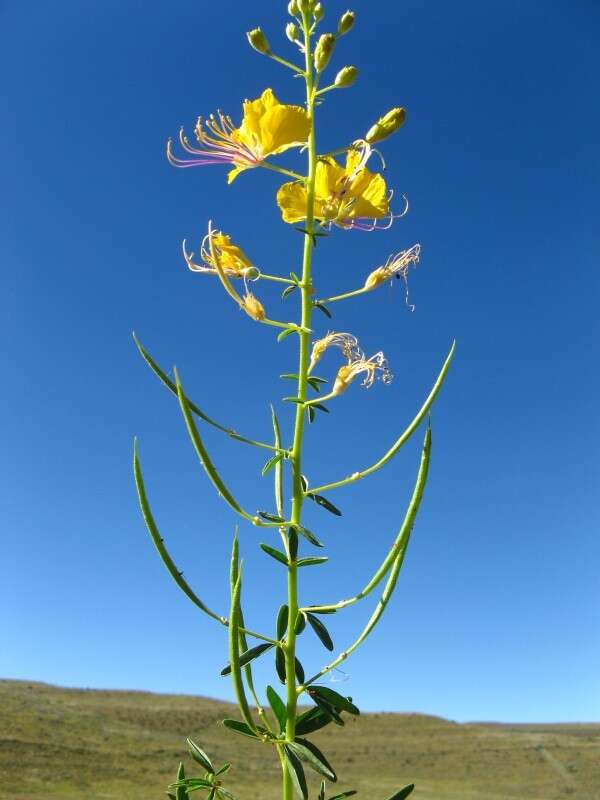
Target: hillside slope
{"type": "Point", "coordinates": [61, 744]}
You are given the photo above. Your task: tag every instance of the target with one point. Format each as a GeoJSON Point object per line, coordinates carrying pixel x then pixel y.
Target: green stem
{"type": "Point", "coordinates": [283, 171]}
{"type": "Point", "coordinates": [296, 451]}
{"type": "Point", "coordinates": [345, 296]}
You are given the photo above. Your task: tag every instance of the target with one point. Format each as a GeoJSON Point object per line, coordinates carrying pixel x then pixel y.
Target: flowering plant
{"type": "Point", "coordinates": [343, 194]}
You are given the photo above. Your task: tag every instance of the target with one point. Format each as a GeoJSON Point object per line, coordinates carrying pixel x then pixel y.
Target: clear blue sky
{"type": "Point", "coordinates": [496, 615]}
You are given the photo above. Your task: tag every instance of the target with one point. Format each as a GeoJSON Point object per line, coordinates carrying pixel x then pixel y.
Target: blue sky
{"type": "Point", "coordinates": [496, 614]}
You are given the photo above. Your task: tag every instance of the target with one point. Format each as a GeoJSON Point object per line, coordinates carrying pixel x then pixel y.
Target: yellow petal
{"type": "Point", "coordinates": [270, 127]}
{"type": "Point", "coordinates": [291, 199]}
{"type": "Point", "coordinates": [233, 173]}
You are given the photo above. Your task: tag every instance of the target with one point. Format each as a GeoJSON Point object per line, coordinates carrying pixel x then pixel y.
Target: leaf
{"type": "Point", "coordinates": [299, 670]}
{"type": "Point", "coordinates": [285, 333]}
{"type": "Point", "coordinates": [309, 562]}
{"type": "Point", "coordinates": [287, 291]}
{"type": "Point", "coordinates": [276, 554]}
{"type": "Point", "coordinates": [180, 792]}
{"type": "Point", "coordinates": [271, 463]}
{"type": "Point", "coordinates": [312, 756]}
{"type": "Point", "coordinates": [293, 544]}
{"type": "Point", "coordinates": [282, 621]}
{"type": "Point", "coordinates": [329, 710]}
{"type": "Point", "coordinates": [311, 721]}
{"type": "Point", "coordinates": [320, 407]}
{"type": "Point", "coordinates": [317, 610]}
{"type": "Point", "coordinates": [280, 664]}
{"type": "Point", "coordinates": [325, 503]}
{"type": "Point", "coordinates": [294, 277]}
{"type": "Point", "coordinates": [343, 794]}
{"type": "Point", "coordinates": [307, 534]}
{"type": "Point", "coordinates": [225, 768]}
{"type": "Point", "coordinates": [291, 376]}
{"type": "Point", "coordinates": [334, 699]}
{"type": "Point", "coordinates": [300, 623]}
{"type": "Point", "coordinates": [249, 655]}
{"type": "Point", "coordinates": [304, 482]}
{"type": "Point", "coordinates": [296, 772]}
{"type": "Point", "coordinates": [298, 400]}
{"type": "Point", "coordinates": [278, 707]}
{"type": "Point", "coordinates": [320, 630]}
{"type": "Point", "coordinates": [311, 414]}
{"type": "Point", "coordinates": [323, 308]}
{"type": "Point", "coordinates": [402, 793]}
{"type": "Point", "coordinates": [240, 727]}
{"type": "Point", "coordinates": [200, 756]}
{"type": "Point", "coordinates": [270, 517]}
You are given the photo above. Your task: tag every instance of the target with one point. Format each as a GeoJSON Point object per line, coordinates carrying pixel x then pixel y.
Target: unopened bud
{"type": "Point", "coordinates": [253, 307]}
{"type": "Point", "coordinates": [318, 12]}
{"type": "Point", "coordinates": [292, 32]}
{"type": "Point", "coordinates": [386, 125]}
{"type": "Point", "coordinates": [306, 6]}
{"type": "Point", "coordinates": [346, 22]}
{"type": "Point", "coordinates": [258, 41]}
{"type": "Point", "coordinates": [346, 77]}
{"type": "Point", "coordinates": [324, 51]}
{"type": "Point", "coordinates": [293, 9]}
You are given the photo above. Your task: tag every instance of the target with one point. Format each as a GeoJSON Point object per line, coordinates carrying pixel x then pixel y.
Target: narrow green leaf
{"type": "Point", "coordinates": [299, 670]}
{"type": "Point", "coordinates": [403, 793]}
{"type": "Point", "coordinates": [311, 755]}
{"type": "Point", "coordinates": [311, 414]}
{"type": "Point", "coordinates": [342, 795]}
{"type": "Point", "coordinates": [280, 664]}
{"type": "Point", "coordinates": [320, 630]}
{"type": "Point", "coordinates": [278, 707]}
{"type": "Point", "coordinates": [276, 554]}
{"type": "Point", "coordinates": [296, 773]}
{"type": "Point", "coordinates": [248, 656]}
{"type": "Point", "coordinates": [224, 793]}
{"type": "Point", "coordinates": [309, 562]}
{"type": "Point", "coordinates": [307, 534]}
{"type": "Point", "coordinates": [325, 503]}
{"type": "Point", "coordinates": [311, 721]}
{"type": "Point", "coordinates": [334, 699]}
{"type": "Point", "coordinates": [298, 400]}
{"type": "Point", "coordinates": [225, 768]}
{"type": "Point", "coordinates": [278, 483]}
{"type": "Point", "coordinates": [285, 333]}
{"type": "Point", "coordinates": [282, 622]}
{"type": "Point", "coordinates": [300, 623]}
{"type": "Point", "coordinates": [241, 727]}
{"type": "Point", "coordinates": [200, 756]}
{"type": "Point", "coordinates": [322, 791]}
{"type": "Point", "coordinates": [328, 710]}
{"type": "Point", "coordinates": [293, 544]}
{"type": "Point", "coordinates": [271, 463]}
{"type": "Point", "coordinates": [180, 792]}
{"type": "Point", "coordinates": [320, 407]}
{"type": "Point", "coordinates": [270, 517]}
{"type": "Point", "coordinates": [294, 277]}
{"type": "Point", "coordinates": [317, 610]}
{"type": "Point", "coordinates": [315, 383]}
{"type": "Point", "coordinates": [324, 309]}
{"type": "Point", "coordinates": [292, 376]}
{"type": "Point", "coordinates": [171, 796]}
{"type": "Point", "coordinates": [287, 291]}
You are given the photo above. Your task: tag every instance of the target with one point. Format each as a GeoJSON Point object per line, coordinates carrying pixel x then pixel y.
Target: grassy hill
{"type": "Point", "coordinates": [61, 744]}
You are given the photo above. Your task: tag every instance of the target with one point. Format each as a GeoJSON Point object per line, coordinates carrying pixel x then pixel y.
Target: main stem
{"type": "Point", "coordinates": [296, 451]}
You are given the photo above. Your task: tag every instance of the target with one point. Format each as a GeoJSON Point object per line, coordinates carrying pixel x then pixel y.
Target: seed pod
{"type": "Point", "coordinates": [386, 125]}
{"type": "Point", "coordinates": [324, 51]}
{"type": "Point", "coordinates": [346, 77]}
{"type": "Point", "coordinates": [258, 41]}
{"type": "Point", "coordinates": [346, 22]}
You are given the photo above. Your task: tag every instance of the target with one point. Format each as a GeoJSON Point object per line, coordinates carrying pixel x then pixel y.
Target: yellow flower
{"type": "Point", "coordinates": [232, 259]}
{"type": "Point", "coordinates": [268, 127]}
{"type": "Point", "coordinates": [350, 196]}
{"type": "Point", "coordinates": [356, 366]}
{"type": "Point", "coordinates": [396, 265]}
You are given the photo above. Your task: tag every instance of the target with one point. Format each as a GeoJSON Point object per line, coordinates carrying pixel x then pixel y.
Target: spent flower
{"type": "Point", "coordinates": [217, 246]}
{"type": "Point", "coordinates": [373, 367]}
{"type": "Point", "coordinates": [346, 342]}
{"type": "Point", "coordinates": [396, 266]}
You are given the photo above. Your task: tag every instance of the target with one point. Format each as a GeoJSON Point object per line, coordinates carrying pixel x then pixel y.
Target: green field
{"type": "Point", "coordinates": [59, 744]}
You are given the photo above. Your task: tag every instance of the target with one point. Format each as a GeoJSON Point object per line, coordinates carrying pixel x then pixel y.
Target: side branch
{"type": "Point", "coordinates": [405, 532]}
{"type": "Point", "coordinates": [401, 439]}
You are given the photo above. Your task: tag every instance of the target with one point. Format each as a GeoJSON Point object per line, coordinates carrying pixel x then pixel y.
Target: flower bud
{"type": "Point", "coordinates": [253, 307]}
{"type": "Point", "coordinates": [292, 32]}
{"type": "Point", "coordinates": [346, 77]}
{"type": "Point", "coordinates": [346, 22]}
{"type": "Point", "coordinates": [258, 41]}
{"type": "Point", "coordinates": [386, 125]}
{"type": "Point", "coordinates": [318, 12]}
{"type": "Point", "coordinates": [305, 6]}
{"type": "Point", "coordinates": [324, 51]}
{"type": "Point", "coordinates": [293, 9]}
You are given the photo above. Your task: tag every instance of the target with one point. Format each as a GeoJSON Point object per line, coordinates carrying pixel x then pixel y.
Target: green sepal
{"type": "Point", "coordinates": [320, 630]}
{"type": "Point", "coordinates": [271, 463]}
{"type": "Point", "coordinates": [276, 554]}
{"type": "Point", "coordinates": [296, 772]}
{"type": "Point", "coordinates": [278, 707]}
{"type": "Point", "coordinates": [248, 656]}
{"type": "Point", "coordinates": [240, 727]}
{"type": "Point", "coordinates": [282, 622]}
{"type": "Point", "coordinates": [403, 793]}
{"type": "Point", "coordinates": [309, 562]}
{"type": "Point", "coordinates": [200, 756]}
{"type": "Point", "coordinates": [313, 757]}
{"type": "Point", "coordinates": [338, 701]}
{"type": "Point", "coordinates": [325, 503]}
